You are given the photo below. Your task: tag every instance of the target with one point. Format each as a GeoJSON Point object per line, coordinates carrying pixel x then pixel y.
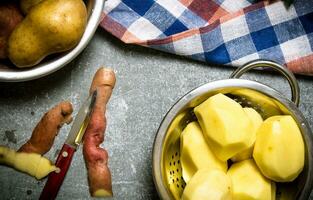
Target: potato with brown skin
{"type": "Point", "coordinates": [50, 27]}
{"type": "Point", "coordinates": [26, 5]}
{"type": "Point", "coordinates": [10, 16]}
{"type": "Point", "coordinates": [44, 133]}
{"type": "Point", "coordinates": [96, 158]}
{"type": "Point", "coordinates": [29, 157]}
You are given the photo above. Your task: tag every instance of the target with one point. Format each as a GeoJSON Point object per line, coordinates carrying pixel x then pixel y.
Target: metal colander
{"type": "Point", "coordinates": [167, 171]}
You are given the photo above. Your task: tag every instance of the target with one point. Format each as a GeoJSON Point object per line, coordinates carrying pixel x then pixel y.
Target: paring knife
{"type": "Point", "coordinates": [72, 142]}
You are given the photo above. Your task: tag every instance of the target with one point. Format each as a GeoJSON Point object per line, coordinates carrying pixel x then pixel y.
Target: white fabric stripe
{"type": "Point", "coordinates": [144, 29]}
{"type": "Point", "coordinates": [110, 5]}
{"type": "Point", "coordinates": [234, 5]}
{"type": "Point", "coordinates": [189, 45]}
{"type": "Point", "coordinates": [173, 6]}
{"type": "Point", "coordinates": [278, 13]}
{"type": "Point", "coordinates": [245, 59]}
{"type": "Point", "coordinates": [234, 28]}
{"type": "Point", "coordinates": [296, 48]}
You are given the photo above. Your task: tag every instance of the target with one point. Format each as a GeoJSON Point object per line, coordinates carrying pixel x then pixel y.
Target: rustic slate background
{"type": "Point", "coordinates": [148, 83]}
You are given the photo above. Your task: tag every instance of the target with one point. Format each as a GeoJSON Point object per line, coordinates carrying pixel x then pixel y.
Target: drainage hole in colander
{"type": "Point", "coordinates": [176, 154]}
{"type": "Point", "coordinates": [183, 185]}
{"type": "Point", "coordinates": [177, 185]}
{"type": "Point", "coordinates": [177, 170]}
{"type": "Point", "coordinates": [178, 162]}
{"type": "Point", "coordinates": [174, 163]}
{"type": "Point", "coordinates": [170, 163]}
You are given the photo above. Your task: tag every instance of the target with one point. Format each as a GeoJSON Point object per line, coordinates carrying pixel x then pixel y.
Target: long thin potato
{"type": "Point", "coordinates": [96, 158]}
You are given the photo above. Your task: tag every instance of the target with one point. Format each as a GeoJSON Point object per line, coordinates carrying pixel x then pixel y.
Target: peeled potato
{"type": "Point", "coordinates": [208, 184]}
{"type": "Point", "coordinates": [256, 120]}
{"type": "Point", "coordinates": [279, 149]}
{"type": "Point", "coordinates": [196, 153]}
{"type": "Point", "coordinates": [31, 163]}
{"type": "Point", "coordinates": [248, 182]}
{"type": "Point", "coordinates": [273, 190]}
{"type": "Point", "coordinates": [225, 125]}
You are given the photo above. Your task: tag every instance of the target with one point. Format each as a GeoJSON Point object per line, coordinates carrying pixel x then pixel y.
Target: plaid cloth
{"type": "Point", "coordinates": [226, 32]}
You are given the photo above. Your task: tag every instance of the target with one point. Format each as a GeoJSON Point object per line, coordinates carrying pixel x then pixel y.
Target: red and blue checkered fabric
{"type": "Point", "coordinates": [227, 32]}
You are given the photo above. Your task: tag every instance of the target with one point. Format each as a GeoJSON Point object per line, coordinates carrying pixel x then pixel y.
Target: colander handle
{"type": "Point", "coordinates": [295, 91]}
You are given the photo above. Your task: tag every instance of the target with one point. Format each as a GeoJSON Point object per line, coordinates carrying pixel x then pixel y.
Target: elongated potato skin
{"type": "Point", "coordinates": [51, 26]}
{"type": "Point", "coordinates": [10, 17]}
{"type": "Point", "coordinates": [96, 158]}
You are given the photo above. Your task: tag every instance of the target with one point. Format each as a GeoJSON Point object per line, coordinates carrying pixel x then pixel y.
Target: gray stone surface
{"type": "Point", "coordinates": [148, 83]}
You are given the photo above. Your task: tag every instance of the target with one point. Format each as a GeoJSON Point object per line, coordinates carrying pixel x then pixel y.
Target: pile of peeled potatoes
{"type": "Point", "coordinates": [30, 30]}
{"type": "Point", "coordinates": [231, 153]}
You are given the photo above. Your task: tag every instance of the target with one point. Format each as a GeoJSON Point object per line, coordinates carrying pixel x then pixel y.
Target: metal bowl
{"type": "Point", "coordinates": [52, 64]}
{"type": "Point", "coordinates": [267, 101]}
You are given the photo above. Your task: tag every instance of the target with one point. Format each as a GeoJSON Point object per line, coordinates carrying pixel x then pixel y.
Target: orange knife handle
{"type": "Point", "coordinates": [55, 179]}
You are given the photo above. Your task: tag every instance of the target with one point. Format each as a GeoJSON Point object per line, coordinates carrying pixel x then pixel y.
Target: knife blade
{"type": "Point", "coordinates": [70, 145]}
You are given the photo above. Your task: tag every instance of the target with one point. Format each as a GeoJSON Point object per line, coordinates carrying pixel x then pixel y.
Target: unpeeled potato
{"type": "Point", "coordinates": [10, 16]}
{"type": "Point", "coordinates": [51, 26]}
{"type": "Point", "coordinates": [26, 5]}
